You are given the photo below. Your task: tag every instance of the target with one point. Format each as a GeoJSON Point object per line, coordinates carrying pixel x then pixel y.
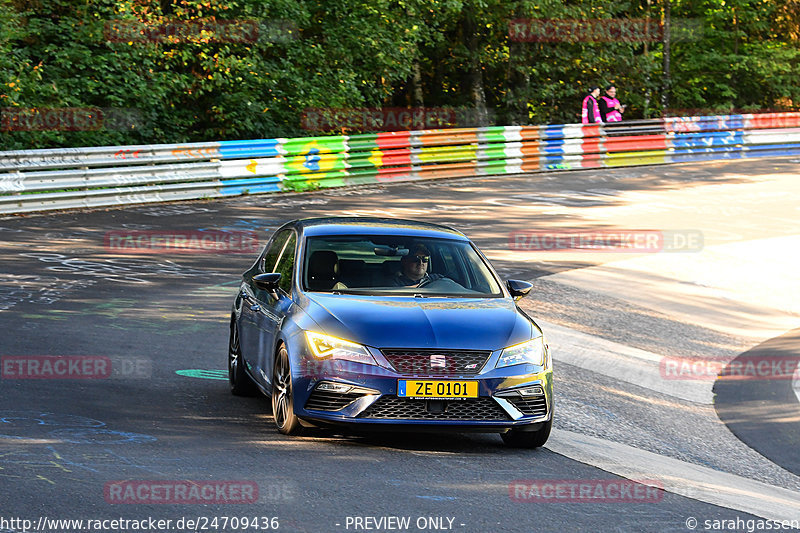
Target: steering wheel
{"type": "Point", "coordinates": [433, 279]}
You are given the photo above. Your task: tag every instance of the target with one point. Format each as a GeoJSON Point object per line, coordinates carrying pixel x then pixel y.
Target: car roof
{"type": "Point", "coordinates": [374, 226]}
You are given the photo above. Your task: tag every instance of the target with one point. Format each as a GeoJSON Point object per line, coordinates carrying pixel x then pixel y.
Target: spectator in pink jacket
{"type": "Point", "coordinates": [610, 108]}
{"type": "Point", "coordinates": [590, 112]}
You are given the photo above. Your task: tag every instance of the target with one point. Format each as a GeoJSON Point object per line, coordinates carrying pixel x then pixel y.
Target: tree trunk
{"type": "Point", "coordinates": [666, 80]}
{"type": "Point", "coordinates": [647, 91]}
{"type": "Point", "coordinates": [518, 84]}
{"type": "Point", "coordinates": [474, 74]}
{"type": "Point", "coordinates": [417, 94]}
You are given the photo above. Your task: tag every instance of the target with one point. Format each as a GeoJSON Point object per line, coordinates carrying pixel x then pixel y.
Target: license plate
{"type": "Point", "coordinates": [436, 390]}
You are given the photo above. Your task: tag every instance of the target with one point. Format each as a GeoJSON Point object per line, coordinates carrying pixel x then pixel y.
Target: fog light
{"type": "Point", "coordinates": [329, 386]}
{"type": "Point", "coordinates": [531, 391]}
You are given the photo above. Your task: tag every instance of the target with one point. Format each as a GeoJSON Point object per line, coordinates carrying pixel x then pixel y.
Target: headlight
{"type": "Point", "coordinates": [531, 352]}
{"type": "Point", "coordinates": [327, 347]}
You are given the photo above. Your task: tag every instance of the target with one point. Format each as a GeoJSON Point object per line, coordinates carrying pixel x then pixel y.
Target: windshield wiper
{"type": "Point", "coordinates": [360, 292]}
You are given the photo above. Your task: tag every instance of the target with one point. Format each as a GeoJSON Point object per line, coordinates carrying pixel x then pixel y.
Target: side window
{"type": "Point", "coordinates": [453, 265]}
{"type": "Point", "coordinates": [446, 254]}
{"type": "Point", "coordinates": [476, 282]}
{"type": "Point", "coordinates": [275, 250]}
{"type": "Point", "coordinates": [286, 265]}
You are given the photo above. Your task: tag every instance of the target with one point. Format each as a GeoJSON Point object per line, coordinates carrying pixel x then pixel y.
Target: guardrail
{"type": "Point", "coordinates": [35, 180]}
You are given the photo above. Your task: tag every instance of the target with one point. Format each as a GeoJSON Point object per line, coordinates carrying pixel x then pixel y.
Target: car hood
{"type": "Point", "coordinates": [400, 322]}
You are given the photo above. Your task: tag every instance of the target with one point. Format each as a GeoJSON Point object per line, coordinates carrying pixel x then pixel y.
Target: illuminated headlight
{"type": "Point", "coordinates": [531, 352]}
{"type": "Point", "coordinates": [327, 347]}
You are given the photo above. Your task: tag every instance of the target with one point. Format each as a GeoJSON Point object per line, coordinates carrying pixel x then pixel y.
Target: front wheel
{"type": "Point", "coordinates": [517, 438]}
{"type": "Point", "coordinates": [282, 397]}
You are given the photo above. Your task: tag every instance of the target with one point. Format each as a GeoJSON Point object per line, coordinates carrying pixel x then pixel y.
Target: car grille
{"type": "Point", "coordinates": [331, 401]}
{"type": "Point", "coordinates": [418, 362]}
{"type": "Point", "coordinates": [394, 408]}
{"type": "Point", "coordinates": [532, 406]}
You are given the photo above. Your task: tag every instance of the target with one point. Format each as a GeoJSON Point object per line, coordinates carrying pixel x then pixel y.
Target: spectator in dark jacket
{"type": "Point", "coordinates": [590, 112]}
{"type": "Point", "coordinates": [610, 108]}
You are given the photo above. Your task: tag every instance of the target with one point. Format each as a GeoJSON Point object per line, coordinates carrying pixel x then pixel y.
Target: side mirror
{"type": "Point", "coordinates": [267, 282]}
{"type": "Point", "coordinates": [518, 288]}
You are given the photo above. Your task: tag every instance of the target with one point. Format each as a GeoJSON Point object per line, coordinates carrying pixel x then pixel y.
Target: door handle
{"type": "Point", "coordinates": [255, 307]}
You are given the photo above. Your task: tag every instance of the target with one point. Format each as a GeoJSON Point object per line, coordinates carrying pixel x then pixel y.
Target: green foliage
{"type": "Point", "coordinates": [744, 60]}
{"type": "Point", "coordinates": [60, 54]}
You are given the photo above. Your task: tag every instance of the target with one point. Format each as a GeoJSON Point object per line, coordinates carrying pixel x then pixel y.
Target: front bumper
{"type": "Point", "coordinates": [373, 400]}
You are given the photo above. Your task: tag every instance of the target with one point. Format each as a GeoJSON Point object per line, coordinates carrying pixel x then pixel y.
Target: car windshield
{"type": "Point", "coordinates": [396, 265]}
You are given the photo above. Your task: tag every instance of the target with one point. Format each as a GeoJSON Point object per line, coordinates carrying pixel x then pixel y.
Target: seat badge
{"type": "Point", "coordinates": [438, 361]}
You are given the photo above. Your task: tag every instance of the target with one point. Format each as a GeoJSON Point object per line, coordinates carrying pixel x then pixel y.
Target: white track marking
{"type": "Point", "coordinates": [796, 383]}
{"type": "Point", "coordinates": [686, 479]}
{"type": "Point", "coordinates": [746, 289]}
{"type": "Point", "coordinates": [632, 365]}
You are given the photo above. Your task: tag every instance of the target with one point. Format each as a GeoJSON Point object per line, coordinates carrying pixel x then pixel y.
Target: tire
{"type": "Point", "coordinates": [241, 384]}
{"type": "Point", "coordinates": [282, 395]}
{"type": "Point", "coordinates": [516, 438]}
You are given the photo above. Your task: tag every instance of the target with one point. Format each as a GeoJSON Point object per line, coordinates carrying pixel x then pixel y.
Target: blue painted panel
{"type": "Point", "coordinates": [706, 155]}
{"type": "Point", "coordinates": [766, 150]}
{"type": "Point", "coordinates": [247, 149]}
{"type": "Point", "coordinates": [250, 185]}
{"type": "Point", "coordinates": [552, 147]}
{"type": "Point", "coordinates": [238, 191]}
{"type": "Point", "coordinates": [707, 140]}
{"type": "Point", "coordinates": [553, 132]}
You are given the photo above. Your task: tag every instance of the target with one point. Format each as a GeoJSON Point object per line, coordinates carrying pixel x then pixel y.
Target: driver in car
{"type": "Point", "coordinates": [414, 268]}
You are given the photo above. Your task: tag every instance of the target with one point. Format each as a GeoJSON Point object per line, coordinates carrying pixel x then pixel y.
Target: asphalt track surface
{"type": "Point", "coordinates": [611, 318]}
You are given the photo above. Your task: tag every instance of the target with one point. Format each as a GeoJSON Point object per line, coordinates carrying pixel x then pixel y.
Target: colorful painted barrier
{"type": "Point", "coordinates": [32, 180]}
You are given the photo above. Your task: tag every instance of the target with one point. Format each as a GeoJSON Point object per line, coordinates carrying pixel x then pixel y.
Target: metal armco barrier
{"type": "Point", "coordinates": [36, 180]}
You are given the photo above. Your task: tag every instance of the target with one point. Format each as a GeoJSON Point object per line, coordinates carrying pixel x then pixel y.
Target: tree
{"type": "Point", "coordinates": [161, 71]}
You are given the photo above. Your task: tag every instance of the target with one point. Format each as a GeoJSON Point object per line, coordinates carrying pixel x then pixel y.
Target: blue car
{"type": "Point", "coordinates": [387, 324]}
